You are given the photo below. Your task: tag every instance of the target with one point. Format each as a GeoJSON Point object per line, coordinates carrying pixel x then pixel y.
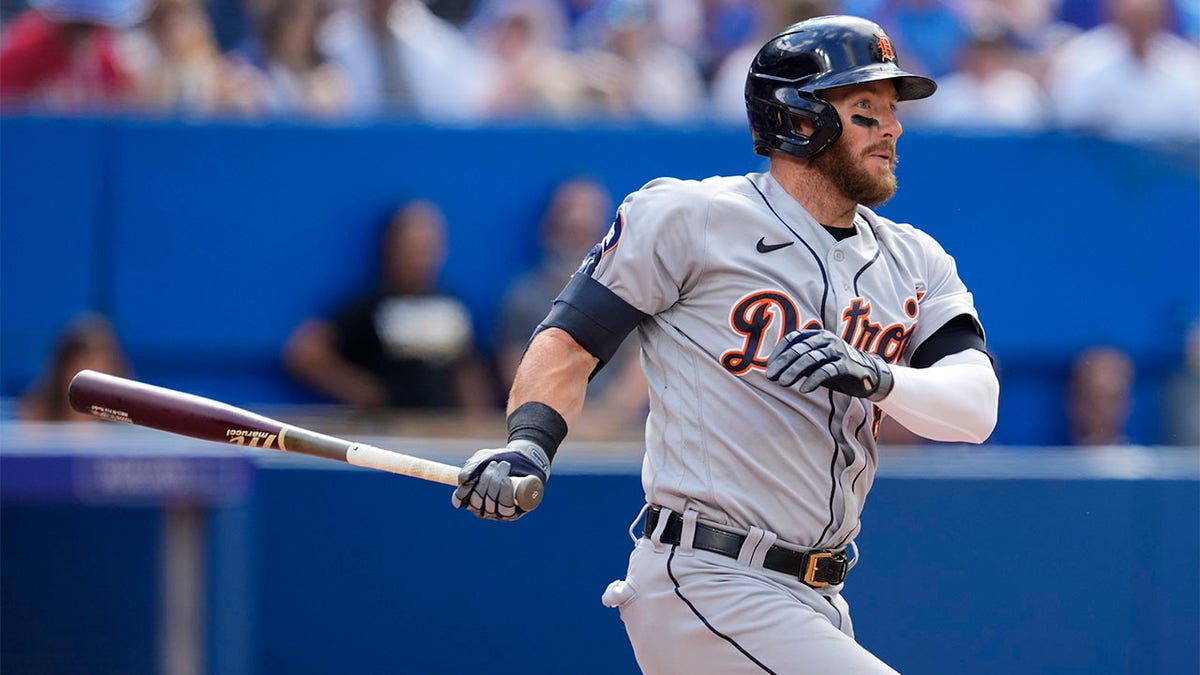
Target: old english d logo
{"type": "Point", "coordinates": [886, 53]}
{"type": "Point", "coordinates": [752, 318]}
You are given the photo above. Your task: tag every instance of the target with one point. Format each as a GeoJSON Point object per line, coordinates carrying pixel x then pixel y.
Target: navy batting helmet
{"type": "Point", "coordinates": [790, 72]}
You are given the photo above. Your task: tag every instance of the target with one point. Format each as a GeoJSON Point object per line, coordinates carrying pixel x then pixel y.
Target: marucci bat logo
{"type": "Point", "coordinates": [251, 438]}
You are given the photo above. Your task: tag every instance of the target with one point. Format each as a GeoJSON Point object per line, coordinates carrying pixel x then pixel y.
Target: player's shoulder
{"type": "Point", "coordinates": [899, 236]}
{"type": "Point", "coordinates": [686, 194]}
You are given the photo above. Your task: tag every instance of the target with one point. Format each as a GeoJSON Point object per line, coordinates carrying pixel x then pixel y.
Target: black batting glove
{"type": "Point", "coordinates": [485, 485]}
{"type": "Point", "coordinates": [815, 358]}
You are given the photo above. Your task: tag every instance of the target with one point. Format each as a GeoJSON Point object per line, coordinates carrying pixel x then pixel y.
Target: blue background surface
{"type": "Point", "coordinates": [208, 243]}
{"type": "Point", "coordinates": [350, 571]}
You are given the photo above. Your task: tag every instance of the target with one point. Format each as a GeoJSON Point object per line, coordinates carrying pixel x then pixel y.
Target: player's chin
{"type": "Point", "coordinates": [879, 193]}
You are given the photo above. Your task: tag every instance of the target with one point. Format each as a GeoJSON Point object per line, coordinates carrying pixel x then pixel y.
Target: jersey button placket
{"type": "Point", "coordinates": [842, 280]}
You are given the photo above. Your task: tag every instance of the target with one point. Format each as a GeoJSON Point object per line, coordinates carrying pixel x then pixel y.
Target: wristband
{"type": "Point", "coordinates": [539, 423]}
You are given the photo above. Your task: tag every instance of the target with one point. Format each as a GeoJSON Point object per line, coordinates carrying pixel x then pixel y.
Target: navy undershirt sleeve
{"type": "Point", "coordinates": [596, 317]}
{"type": "Point", "coordinates": [956, 335]}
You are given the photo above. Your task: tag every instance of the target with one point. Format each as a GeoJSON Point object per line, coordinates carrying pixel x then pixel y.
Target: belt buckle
{"type": "Point", "coordinates": [812, 559]}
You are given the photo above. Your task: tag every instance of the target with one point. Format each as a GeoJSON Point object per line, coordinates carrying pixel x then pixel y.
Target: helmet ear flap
{"type": "Point", "coordinates": [797, 123]}
{"type": "Point", "coordinates": [826, 122]}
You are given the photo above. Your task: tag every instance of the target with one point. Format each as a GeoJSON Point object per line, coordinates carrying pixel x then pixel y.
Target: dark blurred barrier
{"type": "Point", "coordinates": [207, 242]}
{"type": "Point", "coordinates": [981, 561]}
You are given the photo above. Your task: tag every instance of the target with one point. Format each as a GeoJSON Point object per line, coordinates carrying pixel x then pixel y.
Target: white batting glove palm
{"type": "Point", "coordinates": [815, 358]}
{"type": "Point", "coordinates": [485, 487]}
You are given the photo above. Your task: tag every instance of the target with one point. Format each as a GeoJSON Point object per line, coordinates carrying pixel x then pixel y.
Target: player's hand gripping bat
{"type": "Point", "coordinates": [122, 400]}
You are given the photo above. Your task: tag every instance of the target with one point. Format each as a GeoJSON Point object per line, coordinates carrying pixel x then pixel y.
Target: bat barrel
{"type": "Point", "coordinates": [122, 400]}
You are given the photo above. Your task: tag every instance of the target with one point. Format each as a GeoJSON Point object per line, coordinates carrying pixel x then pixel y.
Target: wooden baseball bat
{"type": "Point", "coordinates": [122, 400]}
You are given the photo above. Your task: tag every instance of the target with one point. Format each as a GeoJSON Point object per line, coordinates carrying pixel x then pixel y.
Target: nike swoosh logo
{"type": "Point", "coordinates": [763, 247]}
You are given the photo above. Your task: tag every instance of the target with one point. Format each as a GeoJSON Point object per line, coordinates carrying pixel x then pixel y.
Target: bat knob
{"type": "Point", "coordinates": [528, 492]}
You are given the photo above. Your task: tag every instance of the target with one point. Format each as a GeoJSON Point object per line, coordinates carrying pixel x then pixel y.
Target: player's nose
{"type": "Point", "coordinates": [889, 125]}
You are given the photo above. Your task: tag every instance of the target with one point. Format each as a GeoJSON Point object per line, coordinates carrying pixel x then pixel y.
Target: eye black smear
{"type": "Point", "coordinates": [863, 121]}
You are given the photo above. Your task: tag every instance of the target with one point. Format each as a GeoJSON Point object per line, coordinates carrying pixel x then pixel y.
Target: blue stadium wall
{"type": "Point", "coordinates": [208, 242]}
{"type": "Point", "coordinates": [324, 571]}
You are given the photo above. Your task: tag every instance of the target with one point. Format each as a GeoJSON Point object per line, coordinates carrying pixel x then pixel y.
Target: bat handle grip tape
{"type": "Point", "coordinates": [527, 490]}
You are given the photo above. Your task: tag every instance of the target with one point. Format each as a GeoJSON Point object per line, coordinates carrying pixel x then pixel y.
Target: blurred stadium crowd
{"type": "Point", "coordinates": [1002, 64]}
{"type": "Point", "coordinates": [1007, 66]}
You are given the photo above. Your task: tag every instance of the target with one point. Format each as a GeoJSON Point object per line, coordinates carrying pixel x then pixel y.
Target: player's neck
{"type": "Point", "coordinates": [815, 192]}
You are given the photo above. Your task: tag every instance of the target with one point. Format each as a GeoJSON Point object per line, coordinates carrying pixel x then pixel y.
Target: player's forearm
{"type": "Point", "coordinates": [554, 371]}
{"type": "Point", "coordinates": [954, 400]}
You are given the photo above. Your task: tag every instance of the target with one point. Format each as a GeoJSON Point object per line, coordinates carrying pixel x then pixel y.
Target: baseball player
{"type": "Point", "coordinates": [779, 319]}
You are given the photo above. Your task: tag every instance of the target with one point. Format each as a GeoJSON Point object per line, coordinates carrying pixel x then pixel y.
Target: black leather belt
{"type": "Point", "coordinates": [814, 568]}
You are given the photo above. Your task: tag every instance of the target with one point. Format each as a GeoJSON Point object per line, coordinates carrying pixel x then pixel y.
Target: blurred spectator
{"type": "Point", "coordinates": [1181, 397]}
{"type": "Point", "coordinates": [87, 342]}
{"type": "Point", "coordinates": [727, 91]}
{"type": "Point", "coordinates": [585, 23]}
{"type": "Point", "coordinates": [230, 21]}
{"type": "Point", "coordinates": [1083, 14]}
{"type": "Point", "coordinates": [682, 24]}
{"type": "Point", "coordinates": [300, 80]}
{"type": "Point", "coordinates": [638, 74]}
{"type": "Point", "coordinates": [1029, 22]}
{"type": "Point", "coordinates": [728, 25]}
{"type": "Point", "coordinates": [65, 55]}
{"type": "Point", "coordinates": [527, 73]}
{"type": "Point", "coordinates": [180, 68]}
{"type": "Point", "coordinates": [456, 12]}
{"type": "Point", "coordinates": [9, 9]}
{"type": "Point", "coordinates": [1129, 78]}
{"type": "Point", "coordinates": [928, 32]}
{"type": "Point", "coordinates": [990, 90]}
{"type": "Point", "coordinates": [574, 221]}
{"type": "Point", "coordinates": [404, 344]}
{"type": "Point", "coordinates": [1189, 19]}
{"type": "Point", "coordinates": [240, 26]}
{"type": "Point", "coordinates": [1099, 397]}
{"type": "Point", "coordinates": [402, 59]}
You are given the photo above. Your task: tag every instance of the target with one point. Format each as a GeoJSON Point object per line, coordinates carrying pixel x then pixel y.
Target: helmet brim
{"type": "Point", "coordinates": [909, 87]}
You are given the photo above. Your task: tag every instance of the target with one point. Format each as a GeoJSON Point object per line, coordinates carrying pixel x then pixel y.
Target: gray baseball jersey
{"type": "Point", "coordinates": [723, 268]}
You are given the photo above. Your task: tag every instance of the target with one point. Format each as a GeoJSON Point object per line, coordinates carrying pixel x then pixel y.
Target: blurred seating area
{"type": "Point", "coordinates": [1003, 64]}
{"type": "Point", "coordinates": [212, 181]}
{"type": "Point", "coordinates": [225, 256]}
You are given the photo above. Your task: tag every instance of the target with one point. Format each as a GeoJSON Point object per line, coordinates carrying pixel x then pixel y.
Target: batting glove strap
{"type": "Point", "coordinates": [886, 380]}
{"type": "Point", "coordinates": [485, 485]}
{"type": "Point", "coordinates": [812, 358]}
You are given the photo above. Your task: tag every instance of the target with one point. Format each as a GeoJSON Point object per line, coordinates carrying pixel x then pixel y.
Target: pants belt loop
{"type": "Point", "coordinates": [664, 516]}
{"type": "Point", "coordinates": [760, 552]}
{"type": "Point", "coordinates": [750, 545]}
{"type": "Point", "coordinates": [689, 530]}
{"type": "Point", "coordinates": [636, 522]}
